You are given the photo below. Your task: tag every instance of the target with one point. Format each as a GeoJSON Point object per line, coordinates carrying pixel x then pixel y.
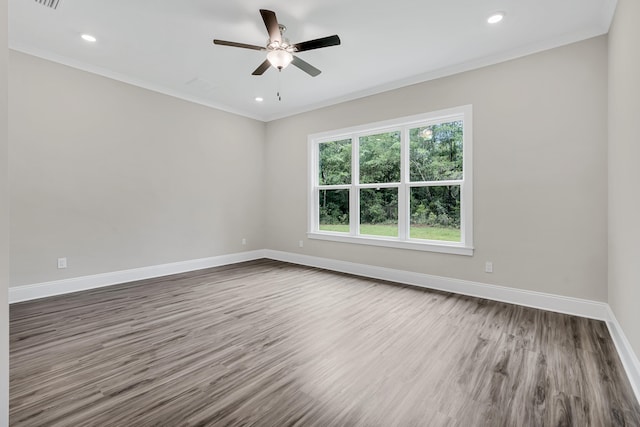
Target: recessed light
{"type": "Point", "coordinates": [259, 99]}
{"type": "Point", "coordinates": [88, 38]}
{"type": "Point", "coordinates": [495, 18]}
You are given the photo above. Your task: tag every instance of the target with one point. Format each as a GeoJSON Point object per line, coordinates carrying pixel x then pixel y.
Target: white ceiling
{"type": "Point", "coordinates": [166, 45]}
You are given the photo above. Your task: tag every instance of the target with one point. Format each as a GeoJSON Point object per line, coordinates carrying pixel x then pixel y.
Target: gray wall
{"type": "Point", "coordinates": [4, 224]}
{"type": "Point", "coordinates": [624, 173]}
{"type": "Point", "coordinates": [540, 171]}
{"type": "Point", "coordinates": [115, 177]}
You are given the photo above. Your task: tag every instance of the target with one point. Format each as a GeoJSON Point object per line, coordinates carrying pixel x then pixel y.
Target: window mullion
{"type": "Point", "coordinates": [380, 185]}
{"type": "Point", "coordinates": [403, 199]}
{"type": "Point", "coordinates": [435, 183]}
{"type": "Point", "coordinates": [334, 187]}
{"type": "Point", "coordinates": [466, 193]}
{"type": "Point", "coordinates": [314, 203]}
{"type": "Point", "coordinates": [354, 193]}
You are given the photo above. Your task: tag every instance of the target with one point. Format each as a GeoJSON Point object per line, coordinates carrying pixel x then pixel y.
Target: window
{"type": "Point", "coordinates": [404, 183]}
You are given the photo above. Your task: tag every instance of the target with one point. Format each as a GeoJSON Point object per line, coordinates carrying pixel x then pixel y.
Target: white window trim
{"type": "Point", "coordinates": [465, 247]}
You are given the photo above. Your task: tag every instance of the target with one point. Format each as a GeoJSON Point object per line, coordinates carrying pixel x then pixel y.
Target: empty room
{"type": "Point", "coordinates": [320, 213]}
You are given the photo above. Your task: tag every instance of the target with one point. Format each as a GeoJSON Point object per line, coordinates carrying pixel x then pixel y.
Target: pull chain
{"type": "Point", "coordinates": [278, 93]}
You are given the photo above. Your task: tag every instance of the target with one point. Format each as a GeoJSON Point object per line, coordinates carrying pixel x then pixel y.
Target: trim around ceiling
{"type": "Point", "coordinates": [69, 62]}
{"type": "Point", "coordinates": [449, 71]}
{"type": "Point", "coordinates": [419, 78]}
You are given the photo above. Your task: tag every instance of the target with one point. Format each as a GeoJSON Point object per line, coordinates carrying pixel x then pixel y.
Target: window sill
{"type": "Point", "coordinates": [444, 247]}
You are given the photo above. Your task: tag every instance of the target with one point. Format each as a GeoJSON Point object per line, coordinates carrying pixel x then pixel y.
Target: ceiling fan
{"type": "Point", "coordinates": [280, 52]}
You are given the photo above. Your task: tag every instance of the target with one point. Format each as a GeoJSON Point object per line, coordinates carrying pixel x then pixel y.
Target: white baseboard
{"type": "Point", "coordinates": [75, 284]}
{"type": "Point", "coordinates": [625, 351]}
{"type": "Point", "coordinates": [560, 304]}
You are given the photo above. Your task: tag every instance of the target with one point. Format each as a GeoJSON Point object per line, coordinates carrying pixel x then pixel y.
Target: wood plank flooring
{"type": "Point", "coordinates": [273, 344]}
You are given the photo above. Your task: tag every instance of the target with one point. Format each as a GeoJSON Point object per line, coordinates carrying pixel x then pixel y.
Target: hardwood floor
{"type": "Point", "coordinates": [273, 344]}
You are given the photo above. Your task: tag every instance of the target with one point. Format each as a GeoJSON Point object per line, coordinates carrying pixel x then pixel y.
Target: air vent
{"type": "Point", "coordinates": [53, 4]}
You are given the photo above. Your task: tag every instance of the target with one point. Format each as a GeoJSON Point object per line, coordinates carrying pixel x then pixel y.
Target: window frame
{"type": "Point", "coordinates": [403, 241]}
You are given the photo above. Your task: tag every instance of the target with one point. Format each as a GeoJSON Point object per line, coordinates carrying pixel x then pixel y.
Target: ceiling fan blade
{"type": "Point", "coordinates": [305, 66]}
{"type": "Point", "coordinates": [271, 22]}
{"type": "Point", "coordinates": [261, 68]}
{"type": "Point", "coordinates": [317, 43]}
{"type": "Point", "coordinates": [234, 44]}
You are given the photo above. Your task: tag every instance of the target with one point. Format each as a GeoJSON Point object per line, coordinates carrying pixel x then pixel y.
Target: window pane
{"type": "Point", "coordinates": [435, 213]}
{"type": "Point", "coordinates": [435, 152]}
{"type": "Point", "coordinates": [335, 162]}
{"type": "Point", "coordinates": [380, 158]}
{"type": "Point", "coordinates": [334, 210]}
{"type": "Point", "coordinates": [379, 211]}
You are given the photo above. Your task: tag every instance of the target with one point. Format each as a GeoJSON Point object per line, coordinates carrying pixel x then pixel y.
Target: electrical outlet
{"type": "Point", "coordinates": [62, 262]}
{"type": "Point", "coordinates": [488, 267]}
{"type": "Point", "coordinates": [244, 241]}
{"type": "Point", "coordinates": [300, 243]}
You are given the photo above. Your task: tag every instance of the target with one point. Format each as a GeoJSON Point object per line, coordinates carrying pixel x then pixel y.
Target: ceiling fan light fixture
{"type": "Point", "coordinates": [279, 58]}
